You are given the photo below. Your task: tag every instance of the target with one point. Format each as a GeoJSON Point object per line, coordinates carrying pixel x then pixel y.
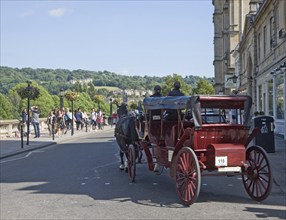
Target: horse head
{"type": "Point", "coordinates": [122, 110]}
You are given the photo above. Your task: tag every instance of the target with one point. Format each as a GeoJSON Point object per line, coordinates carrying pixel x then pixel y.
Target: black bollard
{"type": "Point", "coordinates": [22, 136]}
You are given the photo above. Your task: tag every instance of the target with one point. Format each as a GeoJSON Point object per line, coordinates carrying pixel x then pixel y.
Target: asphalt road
{"type": "Point", "coordinates": [81, 180]}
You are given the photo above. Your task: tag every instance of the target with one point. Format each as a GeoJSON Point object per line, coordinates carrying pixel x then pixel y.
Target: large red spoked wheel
{"type": "Point", "coordinates": [257, 178]}
{"type": "Point", "coordinates": [188, 176]}
{"type": "Point", "coordinates": [131, 162]}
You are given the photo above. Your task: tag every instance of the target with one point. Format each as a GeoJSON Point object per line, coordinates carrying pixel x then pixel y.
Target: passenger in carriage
{"type": "Point", "coordinates": [157, 91]}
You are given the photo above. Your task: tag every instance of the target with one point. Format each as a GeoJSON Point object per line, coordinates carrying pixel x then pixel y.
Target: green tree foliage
{"type": "Point", "coordinates": [5, 108]}
{"type": "Point", "coordinates": [84, 102]}
{"type": "Point", "coordinates": [204, 87]}
{"type": "Point", "coordinates": [169, 82]}
{"type": "Point", "coordinates": [17, 105]}
{"type": "Point", "coordinates": [133, 105]}
{"type": "Point", "coordinates": [99, 100]}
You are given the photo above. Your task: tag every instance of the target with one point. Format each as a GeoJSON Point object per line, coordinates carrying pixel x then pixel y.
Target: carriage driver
{"type": "Point", "coordinates": [176, 90]}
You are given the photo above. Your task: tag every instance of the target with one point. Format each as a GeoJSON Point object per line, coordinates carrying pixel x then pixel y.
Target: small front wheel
{"type": "Point", "coordinates": [257, 177]}
{"type": "Point", "coordinates": [188, 176]}
{"type": "Point", "coordinates": [131, 162]}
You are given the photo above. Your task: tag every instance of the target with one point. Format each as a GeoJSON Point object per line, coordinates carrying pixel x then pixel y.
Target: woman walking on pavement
{"type": "Point", "coordinates": [35, 119]}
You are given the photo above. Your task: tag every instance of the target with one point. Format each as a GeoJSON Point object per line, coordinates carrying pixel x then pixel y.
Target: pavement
{"type": "Point", "coordinates": [12, 146]}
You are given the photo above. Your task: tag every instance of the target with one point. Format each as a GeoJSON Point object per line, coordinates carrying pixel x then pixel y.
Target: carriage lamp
{"type": "Point", "coordinates": [233, 78]}
{"type": "Point", "coordinates": [279, 70]}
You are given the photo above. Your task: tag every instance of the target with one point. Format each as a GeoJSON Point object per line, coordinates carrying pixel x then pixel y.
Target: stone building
{"type": "Point", "coordinates": [256, 62]}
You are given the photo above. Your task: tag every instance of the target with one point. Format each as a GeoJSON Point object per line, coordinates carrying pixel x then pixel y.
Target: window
{"type": "Point", "coordinates": [272, 38]}
{"type": "Point", "coordinates": [260, 97]}
{"type": "Point", "coordinates": [258, 47]}
{"type": "Point", "coordinates": [270, 97]}
{"type": "Point", "coordinates": [279, 97]}
{"type": "Point", "coordinates": [264, 41]}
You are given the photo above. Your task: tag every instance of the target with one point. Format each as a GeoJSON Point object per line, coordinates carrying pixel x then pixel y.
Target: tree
{"type": "Point", "coordinates": [5, 108]}
{"type": "Point", "coordinates": [204, 87]}
{"type": "Point", "coordinates": [16, 102]}
{"type": "Point", "coordinates": [169, 82]}
{"type": "Point", "coordinates": [99, 100]}
{"type": "Point", "coordinates": [133, 105]}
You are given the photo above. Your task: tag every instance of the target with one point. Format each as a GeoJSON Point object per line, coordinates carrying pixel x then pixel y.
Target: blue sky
{"type": "Point", "coordinates": [154, 38]}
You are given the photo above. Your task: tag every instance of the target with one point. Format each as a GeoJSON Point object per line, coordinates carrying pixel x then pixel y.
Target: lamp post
{"type": "Point", "coordinates": [72, 96]}
{"type": "Point", "coordinates": [62, 93]}
{"type": "Point", "coordinates": [110, 110]}
{"type": "Point", "coordinates": [28, 89]}
{"type": "Point", "coordinates": [124, 96]}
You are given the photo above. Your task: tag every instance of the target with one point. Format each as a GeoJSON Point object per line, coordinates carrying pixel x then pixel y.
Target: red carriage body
{"type": "Point", "coordinates": [205, 133]}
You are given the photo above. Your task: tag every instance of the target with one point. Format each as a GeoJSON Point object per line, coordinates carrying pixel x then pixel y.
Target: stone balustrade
{"type": "Point", "coordinates": [11, 128]}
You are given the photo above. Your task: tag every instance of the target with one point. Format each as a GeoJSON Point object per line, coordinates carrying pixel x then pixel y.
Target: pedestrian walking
{"type": "Point", "coordinates": [35, 119]}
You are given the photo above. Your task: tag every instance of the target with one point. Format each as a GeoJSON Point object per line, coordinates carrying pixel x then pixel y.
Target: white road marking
{"type": "Point", "coordinates": [20, 158]}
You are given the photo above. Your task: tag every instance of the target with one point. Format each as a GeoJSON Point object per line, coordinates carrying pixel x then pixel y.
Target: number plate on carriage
{"type": "Point", "coordinates": [156, 117]}
{"type": "Point", "coordinates": [221, 161]}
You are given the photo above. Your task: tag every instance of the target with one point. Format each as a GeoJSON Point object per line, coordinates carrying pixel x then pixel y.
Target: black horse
{"type": "Point", "coordinates": [125, 134]}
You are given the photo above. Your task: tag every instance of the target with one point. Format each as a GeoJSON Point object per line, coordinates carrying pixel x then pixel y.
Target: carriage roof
{"type": "Point", "coordinates": [206, 101]}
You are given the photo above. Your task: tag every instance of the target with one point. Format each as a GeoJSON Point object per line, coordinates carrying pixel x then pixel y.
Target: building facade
{"type": "Point", "coordinates": [258, 57]}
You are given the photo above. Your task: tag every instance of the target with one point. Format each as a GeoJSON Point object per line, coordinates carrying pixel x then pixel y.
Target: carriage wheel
{"type": "Point", "coordinates": [131, 162]}
{"type": "Point", "coordinates": [188, 176]}
{"type": "Point", "coordinates": [257, 178]}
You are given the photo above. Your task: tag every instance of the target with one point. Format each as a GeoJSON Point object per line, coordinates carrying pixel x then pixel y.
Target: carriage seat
{"type": "Point", "coordinates": [157, 134]}
{"type": "Point", "coordinates": [173, 137]}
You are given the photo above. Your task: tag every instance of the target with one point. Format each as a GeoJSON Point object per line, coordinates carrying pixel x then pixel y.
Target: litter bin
{"type": "Point", "coordinates": [265, 138]}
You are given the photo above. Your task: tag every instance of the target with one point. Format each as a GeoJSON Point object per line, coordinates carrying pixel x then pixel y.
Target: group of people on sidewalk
{"type": "Point", "coordinates": [63, 120]}
{"type": "Point", "coordinates": [34, 119]}
{"type": "Point", "coordinates": [59, 121]}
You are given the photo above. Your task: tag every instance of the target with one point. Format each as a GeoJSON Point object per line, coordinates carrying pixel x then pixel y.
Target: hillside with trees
{"type": "Point", "coordinates": [92, 89]}
{"type": "Point", "coordinates": [55, 79]}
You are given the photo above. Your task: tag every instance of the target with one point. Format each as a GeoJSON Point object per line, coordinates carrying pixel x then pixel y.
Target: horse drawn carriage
{"type": "Point", "coordinates": [193, 135]}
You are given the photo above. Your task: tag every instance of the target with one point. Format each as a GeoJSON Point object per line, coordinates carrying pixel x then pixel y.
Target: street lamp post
{"type": "Point", "coordinates": [110, 101]}
{"type": "Point", "coordinates": [62, 93]}
{"type": "Point", "coordinates": [72, 96]}
{"type": "Point", "coordinates": [28, 89]}
{"type": "Point", "coordinates": [72, 128]}
{"type": "Point", "coordinates": [124, 96]}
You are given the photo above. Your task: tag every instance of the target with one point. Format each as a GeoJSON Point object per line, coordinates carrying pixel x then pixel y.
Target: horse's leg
{"type": "Point", "coordinates": [121, 154]}
{"type": "Point", "coordinates": [126, 162]}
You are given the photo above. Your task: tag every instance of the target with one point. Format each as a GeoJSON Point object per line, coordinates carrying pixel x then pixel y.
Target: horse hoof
{"type": "Point", "coordinates": [156, 168]}
{"type": "Point", "coordinates": [121, 167]}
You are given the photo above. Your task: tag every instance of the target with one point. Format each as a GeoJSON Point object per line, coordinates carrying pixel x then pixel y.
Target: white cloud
{"type": "Point", "coordinates": [58, 12]}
